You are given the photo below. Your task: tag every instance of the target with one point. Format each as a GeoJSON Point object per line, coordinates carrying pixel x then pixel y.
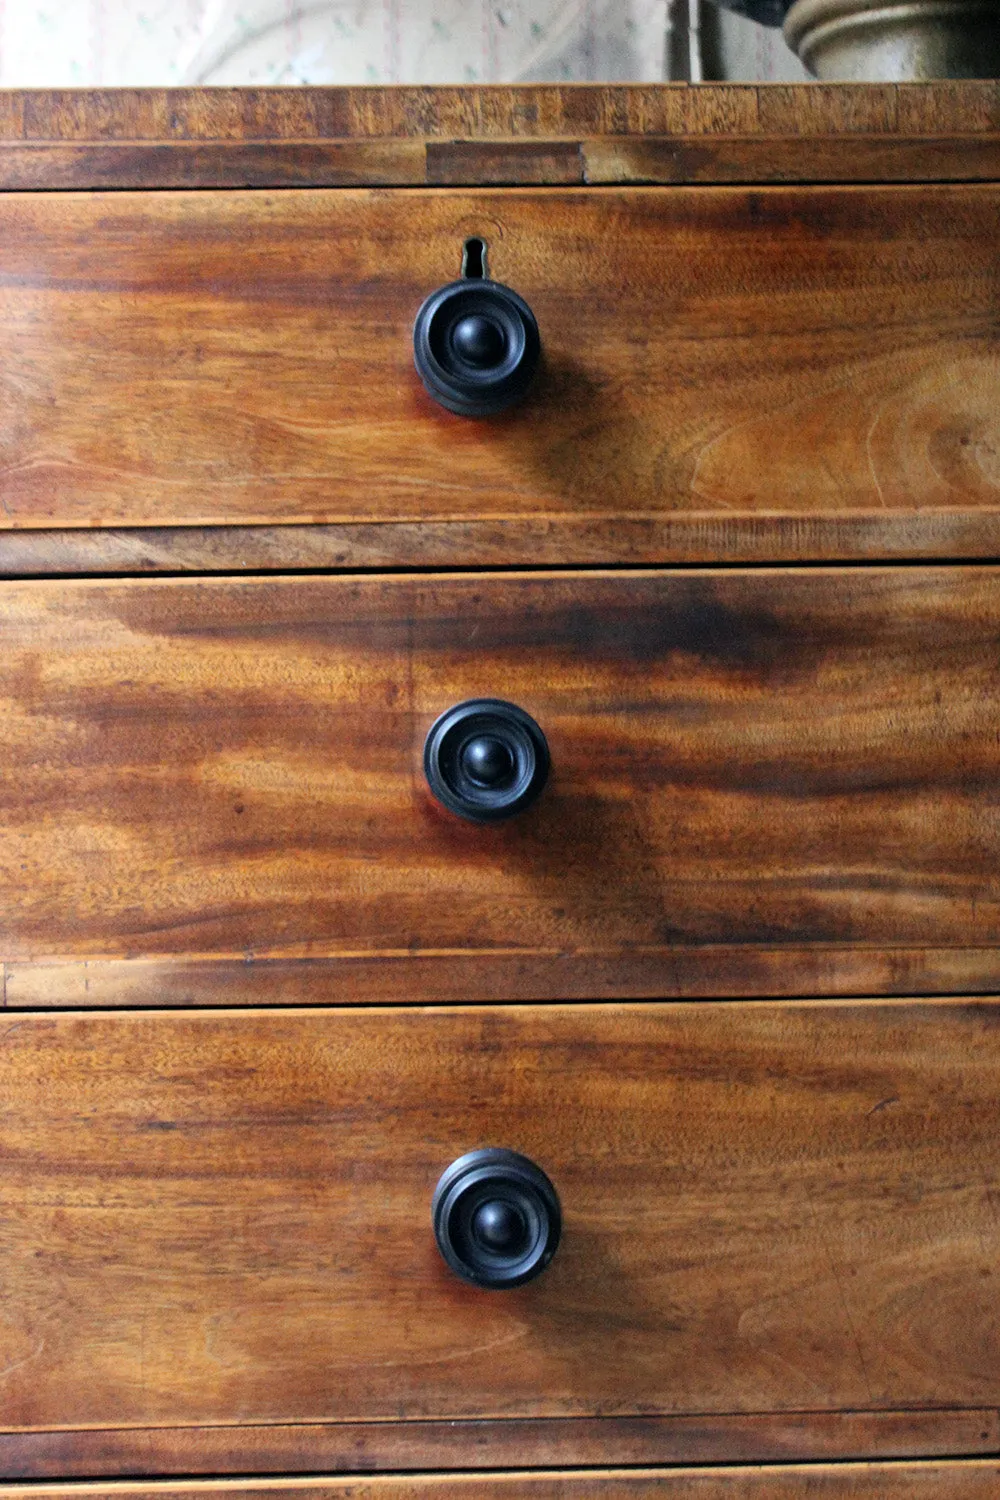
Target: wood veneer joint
{"type": "Point", "coordinates": [628, 161]}
{"type": "Point", "coordinates": [546, 135]}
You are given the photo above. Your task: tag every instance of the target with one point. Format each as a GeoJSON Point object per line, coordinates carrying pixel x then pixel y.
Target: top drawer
{"type": "Point", "coordinates": [727, 373]}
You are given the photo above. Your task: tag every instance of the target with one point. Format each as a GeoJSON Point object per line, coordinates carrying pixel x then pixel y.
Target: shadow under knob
{"type": "Point", "coordinates": [496, 1218]}
{"type": "Point", "coordinates": [476, 347]}
{"type": "Point", "coordinates": [486, 759]}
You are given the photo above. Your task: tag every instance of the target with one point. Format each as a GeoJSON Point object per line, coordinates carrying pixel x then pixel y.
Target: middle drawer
{"type": "Point", "coordinates": [799, 763]}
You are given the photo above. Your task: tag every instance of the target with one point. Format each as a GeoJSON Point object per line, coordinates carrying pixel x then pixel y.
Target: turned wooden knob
{"type": "Point", "coordinates": [476, 347]}
{"type": "Point", "coordinates": [496, 1217]}
{"type": "Point", "coordinates": [486, 759]}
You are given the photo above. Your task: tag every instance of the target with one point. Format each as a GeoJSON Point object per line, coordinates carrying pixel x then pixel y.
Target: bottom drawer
{"type": "Point", "coordinates": [776, 1218]}
{"type": "Point", "coordinates": [975, 1480]}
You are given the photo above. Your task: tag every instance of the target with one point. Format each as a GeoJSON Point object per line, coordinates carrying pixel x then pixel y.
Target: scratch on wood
{"type": "Point", "coordinates": [839, 1283]}
{"type": "Point", "coordinates": [18, 1364]}
{"type": "Point", "coordinates": [871, 460]}
{"type": "Point", "coordinates": [883, 1104]}
{"type": "Point", "coordinates": [454, 1354]}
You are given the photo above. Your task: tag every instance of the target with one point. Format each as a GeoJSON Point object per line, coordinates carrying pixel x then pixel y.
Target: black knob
{"type": "Point", "coordinates": [500, 1227]}
{"type": "Point", "coordinates": [486, 759]}
{"type": "Point", "coordinates": [496, 1218]}
{"type": "Point", "coordinates": [476, 347]}
{"type": "Point", "coordinates": [479, 341]}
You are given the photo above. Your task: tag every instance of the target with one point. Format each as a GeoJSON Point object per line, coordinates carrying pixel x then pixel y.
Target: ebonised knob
{"type": "Point", "coordinates": [486, 759]}
{"type": "Point", "coordinates": [496, 1218]}
{"type": "Point", "coordinates": [476, 347]}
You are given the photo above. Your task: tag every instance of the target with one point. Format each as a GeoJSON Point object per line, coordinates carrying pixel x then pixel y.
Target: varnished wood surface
{"type": "Point", "coordinates": [532, 1442]}
{"type": "Point", "coordinates": [919, 1481]}
{"type": "Point", "coordinates": [224, 1217]}
{"type": "Point", "coordinates": [556, 541]}
{"type": "Point", "coordinates": [534, 134]}
{"type": "Point", "coordinates": [672, 159]}
{"type": "Point", "coordinates": [499, 112]}
{"type": "Point", "coordinates": [780, 1233]}
{"type": "Point", "coordinates": [716, 362]}
{"type": "Point", "coordinates": [703, 971]}
{"type": "Point", "coordinates": [801, 760]}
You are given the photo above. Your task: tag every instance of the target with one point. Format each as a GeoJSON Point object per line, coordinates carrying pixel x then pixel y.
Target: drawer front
{"type": "Point", "coordinates": [782, 778]}
{"type": "Point", "coordinates": [919, 1481]}
{"type": "Point", "coordinates": [224, 1218]}
{"type": "Point", "coordinates": [767, 373]}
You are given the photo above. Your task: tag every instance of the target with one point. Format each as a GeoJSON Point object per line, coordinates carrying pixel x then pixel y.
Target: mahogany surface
{"type": "Point", "coordinates": [920, 1481]}
{"type": "Point", "coordinates": [770, 321]}
{"type": "Point", "coordinates": [531, 134]}
{"type": "Point", "coordinates": [483, 1444]}
{"type": "Point", "coordinates": [796, 759]}
{"type": "Point", "coordinates": [223, 1217]}
{"type": "Point", "coordinates": [720, 365]}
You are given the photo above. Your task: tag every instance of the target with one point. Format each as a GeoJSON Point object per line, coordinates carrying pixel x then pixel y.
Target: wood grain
{"type": "Point", "coordinates": [702, 971]}
{"type": "Point", "coordinates": [716, 359]}
{"type": "Point", "coordinates": [920, 1481]}
{"type": "Point", "coordinates": [558, 541]}
{"type": "Point", "coordinates": [801, 760]}
{"type": "Point", "coordinates": [533, 1442]}
{"type": "Point", "coordinates": [159, 138]}
{"type": "Point", "coordinates": [530, 111]}
{"type": "Point", "coordinates": [594, 162]}
{"type": "Point", "coordinates": [224, 1217]}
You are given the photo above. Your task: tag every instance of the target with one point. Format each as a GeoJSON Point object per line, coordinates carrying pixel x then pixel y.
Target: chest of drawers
{"type": "Point", "coordinates": [728, 568]}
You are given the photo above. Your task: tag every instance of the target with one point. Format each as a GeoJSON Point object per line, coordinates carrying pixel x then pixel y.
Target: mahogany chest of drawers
{"type": "Point", "coordinates": [694, 905]}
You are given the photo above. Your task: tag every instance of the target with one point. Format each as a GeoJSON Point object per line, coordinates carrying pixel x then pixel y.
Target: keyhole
{"type": "Point", "coordinates": [474, 259]}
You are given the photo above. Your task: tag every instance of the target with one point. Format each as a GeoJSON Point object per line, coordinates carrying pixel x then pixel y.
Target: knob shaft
{"type": "Point", "coordinates": [486, 759]}
{"type": "Point", "coordinates": [496, 1218]}
{"type": "Point", "coordinates": [476, 347]}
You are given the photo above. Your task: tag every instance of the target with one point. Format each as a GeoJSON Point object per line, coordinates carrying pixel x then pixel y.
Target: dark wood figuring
{"type": "Point", "coordinates": [799, 760]}
{"type": "Point", "coordinates": [921, 1481]}
{"type": "Point", "coordinates": [718, 363]}
{"type": "Point", "coordinates": [224, 1218]}
{"type": "Point", "coordinates": [532, 1442]}
{"type": "Point", "coordinates": [781, 1228]}
{"type": "Point", "coordinates": [533, 134]}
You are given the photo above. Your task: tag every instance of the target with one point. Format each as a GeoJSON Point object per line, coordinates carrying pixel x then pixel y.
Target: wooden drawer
{"type": "Point", "coordinates": [975, 1480]}
{"type": "Point", "coordinates": [221, 1219]}
{"type": "Point", "coordinates": [728, 373]}
{"type": "Point", "coordinates": [770, 781]}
